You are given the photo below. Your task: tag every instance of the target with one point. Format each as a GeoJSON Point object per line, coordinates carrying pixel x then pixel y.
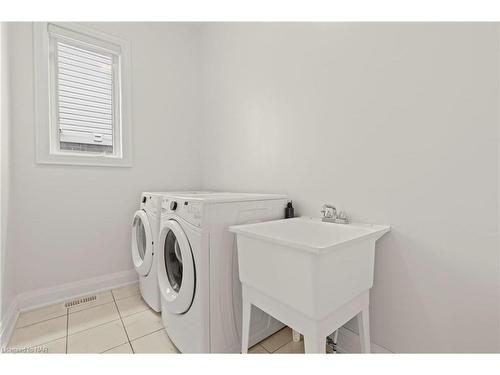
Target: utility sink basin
{"type": "Point", "coordinates": [312, 266]}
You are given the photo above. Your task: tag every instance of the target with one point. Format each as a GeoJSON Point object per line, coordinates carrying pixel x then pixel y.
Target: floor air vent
{"type": "Point", "coordinates": [80, 301]}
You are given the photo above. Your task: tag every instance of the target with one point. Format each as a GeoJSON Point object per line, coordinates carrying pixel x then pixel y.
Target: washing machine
{"type": "Point", "coordinates": [200, 291]}
{"type": "Point", "coordinates": [145, 230]}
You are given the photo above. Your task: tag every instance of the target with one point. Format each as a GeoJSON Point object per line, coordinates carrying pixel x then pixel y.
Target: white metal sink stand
{"type": "Point", "coordinates": [314, 331]}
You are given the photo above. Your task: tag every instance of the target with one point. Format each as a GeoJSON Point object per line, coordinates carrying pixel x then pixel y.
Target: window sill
{"type": "Point", "coordinates": [84, 160]}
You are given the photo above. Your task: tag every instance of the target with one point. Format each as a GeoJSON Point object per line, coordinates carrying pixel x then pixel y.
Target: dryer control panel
{"type": "Point", "coordinates": [191, 211]}
{"type": "Point", "coordinates": [149, 203]}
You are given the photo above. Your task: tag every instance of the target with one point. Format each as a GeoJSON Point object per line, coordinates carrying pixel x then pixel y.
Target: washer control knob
{"type": "Point", "coordinates": [173, 205]}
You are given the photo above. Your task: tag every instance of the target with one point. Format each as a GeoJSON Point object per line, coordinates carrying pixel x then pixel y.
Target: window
{"type": "Point", "coordinates": [85, 88]}
{"type": "Point", "coordinates": [81, 96]}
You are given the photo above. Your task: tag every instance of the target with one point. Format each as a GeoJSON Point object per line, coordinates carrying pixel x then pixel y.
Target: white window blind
{"type": "Point", "coordinates": [84, 95]}
{"type": "Point", "coordinates": [85, 100]}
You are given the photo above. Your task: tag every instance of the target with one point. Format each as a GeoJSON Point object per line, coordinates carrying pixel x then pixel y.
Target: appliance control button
{"type": "Point", "coordinates": [173, 205]}
{"type": "Point", "coordinates": [144, 199]}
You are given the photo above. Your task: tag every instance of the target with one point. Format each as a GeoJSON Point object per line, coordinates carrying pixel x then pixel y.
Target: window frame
{"type": "Point", "coordinates": [46, 126]}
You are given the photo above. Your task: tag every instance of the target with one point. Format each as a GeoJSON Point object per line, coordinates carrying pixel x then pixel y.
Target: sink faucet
{"type": "Point", "coordinates": [329, 211]}
{"type": "Point", "coordinates": [330, 215]}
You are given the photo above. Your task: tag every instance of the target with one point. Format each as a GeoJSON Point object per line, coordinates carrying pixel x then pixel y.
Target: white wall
{"type": "Point", "coordinates": [7, 288]}
{"type": "Point", "coordinates": [70, 222]}
{"type": "Point", "coordinates": [395, 123]}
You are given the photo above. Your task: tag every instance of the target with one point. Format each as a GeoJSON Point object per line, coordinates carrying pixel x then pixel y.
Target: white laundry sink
{"type": "Point", "coordinates": [312, 266]}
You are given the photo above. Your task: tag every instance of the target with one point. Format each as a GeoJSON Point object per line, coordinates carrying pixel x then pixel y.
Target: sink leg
{"type": "Point", "coordinates": [336, 340]}
{"type": "Point", "coordinates": [314, 344]}
{"type": "Point", "coordinates": [364, 329]}
{"type": "Point", "coordinates": [245, 326]}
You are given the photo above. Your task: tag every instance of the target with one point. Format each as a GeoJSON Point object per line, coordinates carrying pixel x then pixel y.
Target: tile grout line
{"type": "Point", "coordinates": [68, 310]}
{"type": "Point", "coordinates": [130, 296]}
{"type": "Point", "coordinates": [40, 321]}
{"type": "Point", "coordinates": [279, 347]}
{"type": "Point", "coordinates": [259, 344]}
{"type": "Point", "coordinates": [114, 347]}
{"type": "Point", "coordinates": [88, 329]}
{"type": "Point", "coordinates": [76, 312]}
{"type": "Point", "coordinates": [131, 348]}
{"type": "Point", "coordinates": [75, 333]}
{"type": "Point", "coordinates": [123, 324]}
{"type": "Point", "coordinates": [101, 324]}
{"type": "Point", "coordinates": [137, 338]}
{"type": "Point", "coordinates": [138, 312]}
{"type": "Point", "coordinates": [67, 314]}
{"type": "Point", "coordinates": [45, 342]}
{"type": "Point", "coordinates": [147, 334]}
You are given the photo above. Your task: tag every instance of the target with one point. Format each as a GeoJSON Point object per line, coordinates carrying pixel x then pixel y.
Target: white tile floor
{"type": "Point", "coordinates": [118, 322]}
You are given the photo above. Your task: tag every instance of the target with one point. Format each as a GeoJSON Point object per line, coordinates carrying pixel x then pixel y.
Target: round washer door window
{"type": "Point", "coordinates": [142, 243]}
{"type": "Point", "coordinates": [140, 235]}
{"type": "Point", "coordinates": [176, 274]}
{"type": "Point", "coordinates": [173, 261]}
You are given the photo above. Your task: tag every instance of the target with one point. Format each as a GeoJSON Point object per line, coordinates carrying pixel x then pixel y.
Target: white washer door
{"type": "Point", "coordinates": [176, 273]}
{"type": "Point", "coordinates": [142, 243]}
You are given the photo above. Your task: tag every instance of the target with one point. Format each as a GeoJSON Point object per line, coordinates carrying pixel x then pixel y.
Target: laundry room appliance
{"type": "Point", "coordinates": [145, 229]}
{"type": "Point", "coordinates": [198, 269]}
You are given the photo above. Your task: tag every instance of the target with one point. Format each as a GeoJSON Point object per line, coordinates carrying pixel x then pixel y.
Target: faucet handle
{"type": "Point", "coordinates": [342, 217]}
{"type": "Point", "coordinates": [329, 211]}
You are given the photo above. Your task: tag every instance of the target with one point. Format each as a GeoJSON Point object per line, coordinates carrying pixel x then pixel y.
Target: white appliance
{"type": "Point", "coordinates": [145, 230]}
{"type": "Point", "coordinates": [198, 269]}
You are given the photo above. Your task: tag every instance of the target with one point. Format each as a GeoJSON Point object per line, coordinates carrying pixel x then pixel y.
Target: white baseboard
{"type": "Point", "coordinates": [42, 297]}
{"type": "Point", "coordinates": [348, 342]}
{"type": "Point", "coordinates": [8, 323]}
